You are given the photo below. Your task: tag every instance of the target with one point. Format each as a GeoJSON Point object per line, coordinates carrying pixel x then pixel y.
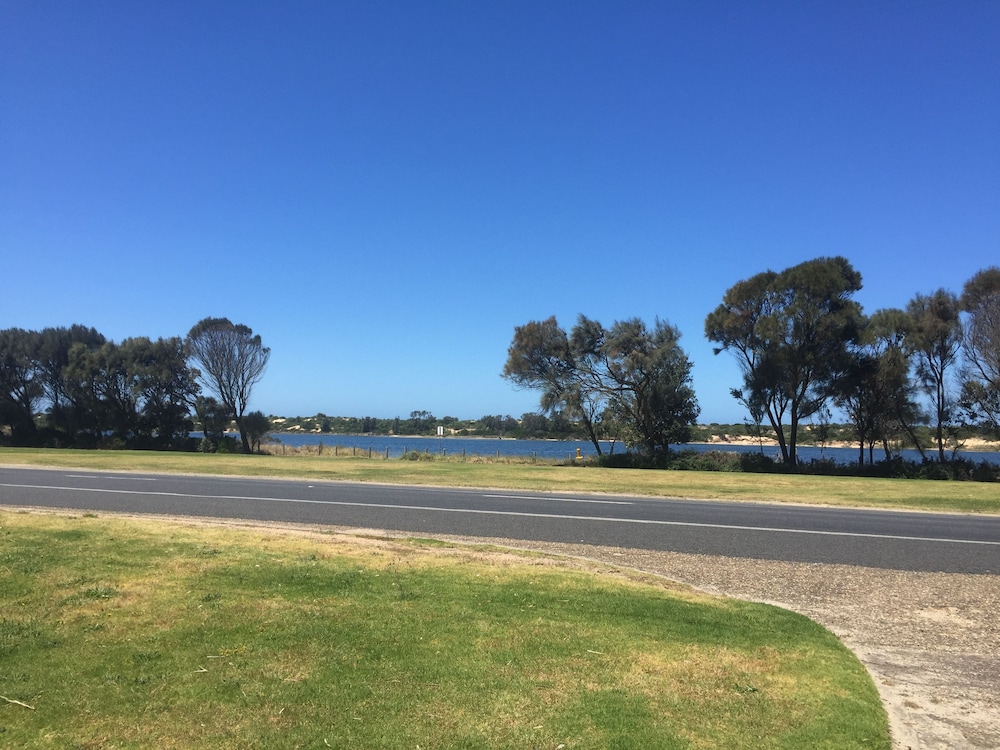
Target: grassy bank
{"type": "Point", "coordinates": [127, 634]}
{"type": "Point", "coordinates": [971, 497]}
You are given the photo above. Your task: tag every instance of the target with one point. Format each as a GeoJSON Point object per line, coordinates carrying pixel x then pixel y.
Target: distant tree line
{"type": "Point", "coordinates": [804, 347]}
{"type": "Point", "coordinates": [803, 344]}
{"type": "Point", "coordinates": [72, 387]}
{"type": "Point", "coordinates": [920, 376]}
{"type": "Point", "coordinates": [530, 425]}
{"type": "Point", "coordinates": [558, 426]}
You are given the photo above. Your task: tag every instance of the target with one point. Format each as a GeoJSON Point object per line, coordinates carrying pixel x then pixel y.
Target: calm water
{"type": "Point", "coordinates": [552, 449]}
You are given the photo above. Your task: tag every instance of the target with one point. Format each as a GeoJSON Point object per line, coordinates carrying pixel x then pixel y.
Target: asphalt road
{"type": "Point", "coordinates": [929, 542]}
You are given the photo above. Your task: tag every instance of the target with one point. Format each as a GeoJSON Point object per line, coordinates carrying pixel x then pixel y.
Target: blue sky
{"type": "Point", "coordinates": [384, 190]}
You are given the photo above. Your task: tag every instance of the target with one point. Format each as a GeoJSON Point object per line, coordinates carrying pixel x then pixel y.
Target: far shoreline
{"type": "Point", "coordinates": [971, 445]}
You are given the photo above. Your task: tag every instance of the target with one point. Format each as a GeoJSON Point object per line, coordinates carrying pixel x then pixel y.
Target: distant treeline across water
{"type": "Point", "coordinates": [558, 449]}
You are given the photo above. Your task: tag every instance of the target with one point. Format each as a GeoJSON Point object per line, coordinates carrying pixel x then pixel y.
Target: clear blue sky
{"type": "Point", "coordinates": [384, 190]}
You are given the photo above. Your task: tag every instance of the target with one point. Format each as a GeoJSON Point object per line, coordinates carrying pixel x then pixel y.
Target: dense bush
{"type": "Point", "coordinates": [959, 469]}
{"type": "Point", "coordinates": [419, 456]}
{"type": "Point", "coordinates": [758, 463]}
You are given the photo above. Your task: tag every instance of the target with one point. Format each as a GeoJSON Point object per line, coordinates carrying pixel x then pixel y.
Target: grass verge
{"type": "Point", "coordinates": [966, 497]}
{"type": "Point", "coordinates": [128, 633]}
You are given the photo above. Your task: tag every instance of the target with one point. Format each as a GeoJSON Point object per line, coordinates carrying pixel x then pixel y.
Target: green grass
{"type": "Point", "coordinates": [132, 634]}
{"type": "Point", "coordinates": [971, 497]}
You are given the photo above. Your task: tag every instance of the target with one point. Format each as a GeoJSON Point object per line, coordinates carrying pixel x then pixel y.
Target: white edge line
{"type": "Point", "coordinates": [561, 499]}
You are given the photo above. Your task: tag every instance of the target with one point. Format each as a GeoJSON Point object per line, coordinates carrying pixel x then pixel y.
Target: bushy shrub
{"type": "Point", "coordinates": [967, 470]}
{"type": "Point", "coordinates": [419, 456]}
{"type": "Point", "coordinates": [984, 471]}
{"type": "Point", "coordinates": [617, 461]}
{"type": "Point", "coordinates": [706, 461]}
{"type": "Point", "coordinates": [758, 463]}
{"type": "Point", "coordinates": [823, 467]}
{"type": "Point", "coordinates": [935, 470]}
{"type": "Point", "coordinates": [631, 460]}
{"type": "Point", "coordinates": [895, 468]}
{"type": "Point", "coordinates": [228, 445]}
{"type": "Point", "coordinates": [961, 469]}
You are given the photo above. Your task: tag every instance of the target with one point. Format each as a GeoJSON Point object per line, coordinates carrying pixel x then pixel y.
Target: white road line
{"type": "Point", "coordinates": [556, 516]}
{"type": "Point", "coordinates": [113, 476]}
{"type": "Point", "coordinates": [562, 499]}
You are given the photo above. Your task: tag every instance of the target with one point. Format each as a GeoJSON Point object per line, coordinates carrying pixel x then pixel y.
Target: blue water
{"type": "Point", "coordinates": [451, 446]}
{"type": "Point", "coordinates": [556, 449]}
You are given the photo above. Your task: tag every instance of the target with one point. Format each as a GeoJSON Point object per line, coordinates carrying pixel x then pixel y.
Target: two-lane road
{"type": "Point", "coordinates": [881, 539]}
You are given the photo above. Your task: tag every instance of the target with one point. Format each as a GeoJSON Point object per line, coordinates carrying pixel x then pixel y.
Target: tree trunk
{"type": "Point", "coordinates": [780, 434]}
{"type": "Point", "coordinates": [592, 434]}
{"type": "Point", "coordinates": [243, 435]}
{"type": "Point", "coordinates": [913, 436]}
{"type": "Point", "coordinates": [793, 435]}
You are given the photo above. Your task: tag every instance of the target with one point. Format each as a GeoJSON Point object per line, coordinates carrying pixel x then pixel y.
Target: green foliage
{"type": "Point", "coordinates": [138, 391]}
{"type": "Point", "coordinates": [789, 333]}
{"type": "Point", "coordinates": [419, 456]}
{"type": "Point", "coordinates": [958, 469]}
{"type": "Point", "coordinates": [214, 418]}
{"type": "Point", "coordinates": [874, 388]}
{"type": "Point", "coordinates": [20, 385]}
{"type": "Point", "coordinates": [629, 380]}
{"type": "Point", "coordinates": [542, 357]}
{"type": "Point", "coordinates": [650, 390]}
{"type": "Point", "coordinates": [933, 337]}
{"type": "Point", "coordinates": [981, 388]}
{"type": "Point", "coordinates": [228, 445]}
{"type": "Point", "coordinates": [231, 360]}
{"type": "Point", "coordinates": [256, 426]}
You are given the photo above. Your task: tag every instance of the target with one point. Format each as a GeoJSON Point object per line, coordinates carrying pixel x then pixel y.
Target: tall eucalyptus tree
{"type": "Point", "coordinates": [541, 357]}
{"type": "Point", "coordinates": [637, 374]}
{"type": "Point", "coordinates": [981, 380]}
{"type": "Point", "coordinates": [790, 333]}
{"type": "Point", "coordinates": [933, 337]}
{"type": "Point", "coordinates": [231, 361]}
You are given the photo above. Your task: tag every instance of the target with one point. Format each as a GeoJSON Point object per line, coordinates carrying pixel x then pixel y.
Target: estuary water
{"type": "Point", "coordinates": [395, 447]}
